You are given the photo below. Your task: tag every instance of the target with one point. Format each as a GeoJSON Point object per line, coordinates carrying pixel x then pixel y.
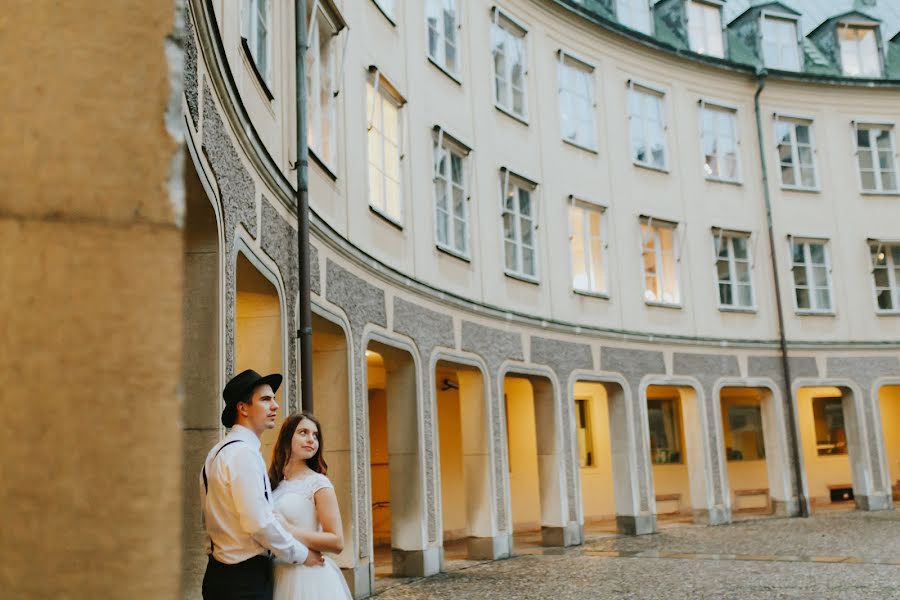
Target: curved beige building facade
{"type": "Point", "coordinates": [543, 278]}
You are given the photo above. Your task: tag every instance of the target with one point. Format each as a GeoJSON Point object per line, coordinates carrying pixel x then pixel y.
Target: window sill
{"type": "Point", "coordinates": [386, 16]}
{"type": "Point", "coordinates": [512, 115]}
{"type": "Point", "coordinates": [522, 278]}
{"type": "Point", "coordinates": [581, 146]}
{"type": "Point", "coordinates": [815, 313]}
{"type": "Point", "coordinates": [738, 309]}
{"type": "Point", "coordinates": [668, 464]}
{"type": "Point", "coordinates": [677, 305]}
{"type": "Point", "coordinates": [805, 190]}
{"type": "Point", "coordinates": [445, 71]}
{"type": "Point", "coordinates": [650, 167]}
{"type": "Point", "coordinates": [454, 253]}
{"type": "Point", "coordinates": [887, 313]}
{"type": "Point", "coordinates": [390, 220]}
{"type": "Point", "coordinates": [260, 80]}
{"type": "Point", "coordinates": [879, 193]}
{"type": "Point", "coordinates": [589, 294]}
{"type": "Point", "coordinates": [725, 181]}
{"type": "Point", "coordinates": [746, 460]}
{"type": "Point", "coordinates": [315, 158]}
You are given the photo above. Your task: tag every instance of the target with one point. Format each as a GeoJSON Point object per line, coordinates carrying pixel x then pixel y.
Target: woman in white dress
{"type": "Point", "coordinates": [305, 502]}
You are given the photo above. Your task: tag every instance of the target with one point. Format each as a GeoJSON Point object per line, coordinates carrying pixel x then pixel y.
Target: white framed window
{"type": "Point", "coordinates": [256, 27]}
{"type": "Point", "coordinates": [634, 14]}
{"type": "Point", "coordinates": [811, 268]}
{"type": "Point", "coordinates": [451, 210]}
{"type": "Point", "coordinates": [876, 157]}
{"type": "Point", "coordinates": [734, 267]}
{"type": "Point", "coordinates": [385, 150]}
{"type": "Point", "coordinates": [886, 275]}
{"type": "Point", "coordinates": [588, 242]}
{"type": "Point", "coordinates": [321, 84]}
{"type": "Point", "coordinates": [442, 24]}
{"type": "Point", "coordinates": [647, 126]}
{"type": "Point", "coordinates": [576, 102]}
{"type": "Point", "coordinates": [519, 227]}
{"type": "Point", "coordinates": [781, 48]}
{"type": "Point", "coordinates": [659, 262]}
{"type": "Point", "coordinates": [859, 50]}
{"type": "Point", "coordinates": [387, 7]}
{"type": "Point", "coordinates": [796, 153]}
{"type": "Point", "coordinates": [705, 28]}
{"type": "Point", "coordinates": [510, 69]}
{"type": "Point", "coordinates": [718, 133]}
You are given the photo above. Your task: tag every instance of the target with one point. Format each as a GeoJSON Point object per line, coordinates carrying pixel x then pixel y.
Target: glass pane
{"type": "Point", "coordinates": [740, 247]}
{"type": "Point", "coordinates": [742, 272]}
{"type": "Point", "coordinates": [787, 175]}
{"type": "Point", "coordinates": [459, 203]}
{"type": "Point", "coordinates": [526, 231]}
{"type": "Point", "coordinates": [865, 160]}
{"type": "Point", "coordinates": [805, 155]}
{"type": "Point", "coordinates": [509, 227]}
{"type": "Point", "coordinates": [802, 134]}
{"type": "Point", "coordinates": [800, 275]}
{"type": "Point", "coordinates": [885, 302]}
{"type": "Point", "coordinates": [745, 295]}
{"type": "Point", "coordinates": [375, 184]}
{"type": "Point", "coordinates": [882, 138]}
{"type": "Point", "coordinates": [881, 278]}
{"type": "Point", "coordinates": [724, 273]}
{"type": "Point", "coordinates": [889, 181]}
{"type": "Point", "coordinates": [798, 253]}
{"type": "Point", "coordinates": [817, 253]}
{"type": "Point", "coordinates": [868, 180]}
{"type": "Point", "coordinates": [664, 425]}
{"type": "Point", "coordinates": [510, 252]}
{"type": "Point", "coordinates": [744, 432]}
{"type": "Point", "coordinates": [529, 267]}
{"type": "Point", "coordinates": [802, 296]}
{"type": "Point", "coordinates": [670, 280]}
{"type": "Point", "coordinates": [579, 266]}
{"type": "Point", "coordinates": [443, 227]}
{"type": "Point", "coordinates": [524, 202]}
{"type": "Point", "coordinates": [831, 435]}
{"type": "Point", "coordinates": [456, 167]}
{"type": "Point", "coordinates": [823, 299]}
{"type": "Point", "coordinates": [725, 298]}
{"type": "Point", "coordinates": [820, 276]}
{"type": "Point", "coordinates": [459, 235]}
{"type": "Point", "coordinates": [862, 137]}
{"type": "Point", "coordinates": [808, 177]}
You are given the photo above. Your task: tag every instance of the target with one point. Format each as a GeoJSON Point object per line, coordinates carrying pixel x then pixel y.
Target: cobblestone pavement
{"type": "Point", "coordinates": [840, 555]}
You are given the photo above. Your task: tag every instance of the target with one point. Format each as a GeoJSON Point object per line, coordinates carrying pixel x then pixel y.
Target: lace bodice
{"type": "Point", "coordinates": [293, 500]}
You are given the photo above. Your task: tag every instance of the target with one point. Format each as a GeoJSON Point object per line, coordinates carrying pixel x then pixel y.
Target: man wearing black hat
{"type": "Point", "coordinates": [236, 498]}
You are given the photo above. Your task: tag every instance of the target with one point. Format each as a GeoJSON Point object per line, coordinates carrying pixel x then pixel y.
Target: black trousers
{"type": "Point", "coordinates": [248, 580]}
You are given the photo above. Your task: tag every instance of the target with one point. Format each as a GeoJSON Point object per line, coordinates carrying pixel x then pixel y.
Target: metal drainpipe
{"type": "Point", "coordinates": [304, 333]}
{"type": "Point", "coordinates": [785, 367]}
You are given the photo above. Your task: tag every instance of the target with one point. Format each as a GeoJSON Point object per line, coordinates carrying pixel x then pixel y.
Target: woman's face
{"type": "Point", "coordinates": [305, 442]}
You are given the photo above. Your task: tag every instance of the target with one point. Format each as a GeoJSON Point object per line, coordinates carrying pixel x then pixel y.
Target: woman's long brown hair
{"type": "Point", "coordinates": [281, 454]}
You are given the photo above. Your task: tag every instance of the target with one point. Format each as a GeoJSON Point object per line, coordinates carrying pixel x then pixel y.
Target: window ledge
{"type": "Point", "coordinates": [887, 313]}
{"type": "Point", "coordinates": [521, 277]}
{"type": "Point", "coordinates": [738, 309]}
{"type": "Point", "coordinates": [676, 305]}
{"type": "Point", "coordinates": [322, 165]}
{"type": "Point", "coordinates": [581, 146]}
{"type": "Point", "coordinates": [723, 180]}
{"type": "Point", "coordinates": [805, 190]}
{"type": "Point", "coordinates": [512, 115]}
{"type": "Point", "coordinates": [815, 313]}
{"type": "Point", "coordinates": [880, 193]}
{"type": "Point", "coordinates": [390, 220]}
{"type": "Point", "coordinates": [454, 253]}
{"type": "Point", "coordinates": [650, 167]}
{"type": "Point", "coordinates": [386, 16]}
{"type": "Point", "coordinates": [444, 70]}
{"type": "Point", "coordinates": [589, 294]}
{"type": "Point", "coordinates": [260, 80]}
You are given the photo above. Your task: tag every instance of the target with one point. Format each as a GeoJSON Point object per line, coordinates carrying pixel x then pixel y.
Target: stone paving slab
{"type": "Point", "coordinates": [846, 555]}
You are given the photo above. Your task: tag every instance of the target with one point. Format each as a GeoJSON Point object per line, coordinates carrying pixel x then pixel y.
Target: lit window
{"type": "Point", "coordinates": [859, 51]}
{"type": "Point", "coordinates": [734, 265]}
{"type": "Point", "coordinates": [320, 88]}
{"type": "Point", "coordinates": [648, 130]}
{"type": "Point", "coordinates": [659, 262]}
{"type": "Point", "coordinates": [585, 435]}
{"type": "Point", "coordinates": [441, 18]}
{"type": "Point", "coordinates": [387, 7]}
{"type": "Point", "coordinates": [587, 227]}
{"type": "Point", "coordinates": [256, 23]}
{"type": "Point", "coordinates": [812, 276]}
{"type": "Point", "coordinates": [664, 420]}
{"type": "Point", "coordinates": [450, 200]}
{"type": "Point", "coordinates": [384, 149]}
{"type": "Point", "coordinates": [780, 48]}
{"type": "Point", "coordinates": [720, 143]}
{"type": "Point", "coordinates": [705, 28]}
{"type": "Point", "coordinates": [519, 245]}
{"type": "Point", "coordinates": [576, 102]}
{"type": "Point", "coordinates": [796, 152]}
{"type": "Point", "coordinates": [634, 14]}
{"type": "Point", "coordinates": [508, 49]}
{"type": "Point", "coordinates": [886, 273]}
{"type": "Point", "coordinates": [743, 432]}
{"type": "Point", "coordinates": [831, 435]}
{"type": "Point", "coordinates": [875, 154]}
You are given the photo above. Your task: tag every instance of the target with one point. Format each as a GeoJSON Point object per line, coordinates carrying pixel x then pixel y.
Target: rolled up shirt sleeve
{"type": "Point", "coordinates": [255, 512]}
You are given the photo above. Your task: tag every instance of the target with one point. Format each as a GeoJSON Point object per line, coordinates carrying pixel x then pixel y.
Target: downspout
{"type": "Point", "coordinates": [304, 331]}
{"type": "Point", "coordinates": [785, 365]}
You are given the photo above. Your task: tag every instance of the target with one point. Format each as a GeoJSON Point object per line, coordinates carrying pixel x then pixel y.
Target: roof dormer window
{"type": "Point", "coordinates": [859, 50]}
{"type": "Point", "coordinates": [705, 28]}
{"type": "Point", "coordinates": [780, 47]}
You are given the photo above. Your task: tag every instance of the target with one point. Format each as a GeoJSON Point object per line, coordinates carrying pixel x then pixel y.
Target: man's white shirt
{"type": "Point", "coordinates": [237, 509]}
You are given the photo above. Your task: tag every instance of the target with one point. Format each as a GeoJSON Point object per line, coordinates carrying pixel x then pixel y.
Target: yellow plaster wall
{"type": "Point", "coordinates": [821, 471]}
{"type": "Point", "coordinates": [523, 476]}
{"type": "Point", "coordinates": [258, 335]}
{"type": "Point", "coordinates": [453, 485]}
{"type": "Point", "coordinates": [889, 398]}
{"type": "Point", "coordinates": [597, 498]}
{"type": "Point", "coordinates": [378, 448]}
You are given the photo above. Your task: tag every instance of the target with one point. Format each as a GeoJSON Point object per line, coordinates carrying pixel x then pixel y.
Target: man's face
{"type": "Point", "coordinates": [261, 413]}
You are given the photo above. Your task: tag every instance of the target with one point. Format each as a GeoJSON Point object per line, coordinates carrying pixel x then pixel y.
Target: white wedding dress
{"type": "Point", "coordinates": [293, 501]}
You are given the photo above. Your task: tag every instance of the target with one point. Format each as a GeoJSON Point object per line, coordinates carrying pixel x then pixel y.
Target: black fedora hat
{"type": "Point", "coordinates": [240, 387]}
